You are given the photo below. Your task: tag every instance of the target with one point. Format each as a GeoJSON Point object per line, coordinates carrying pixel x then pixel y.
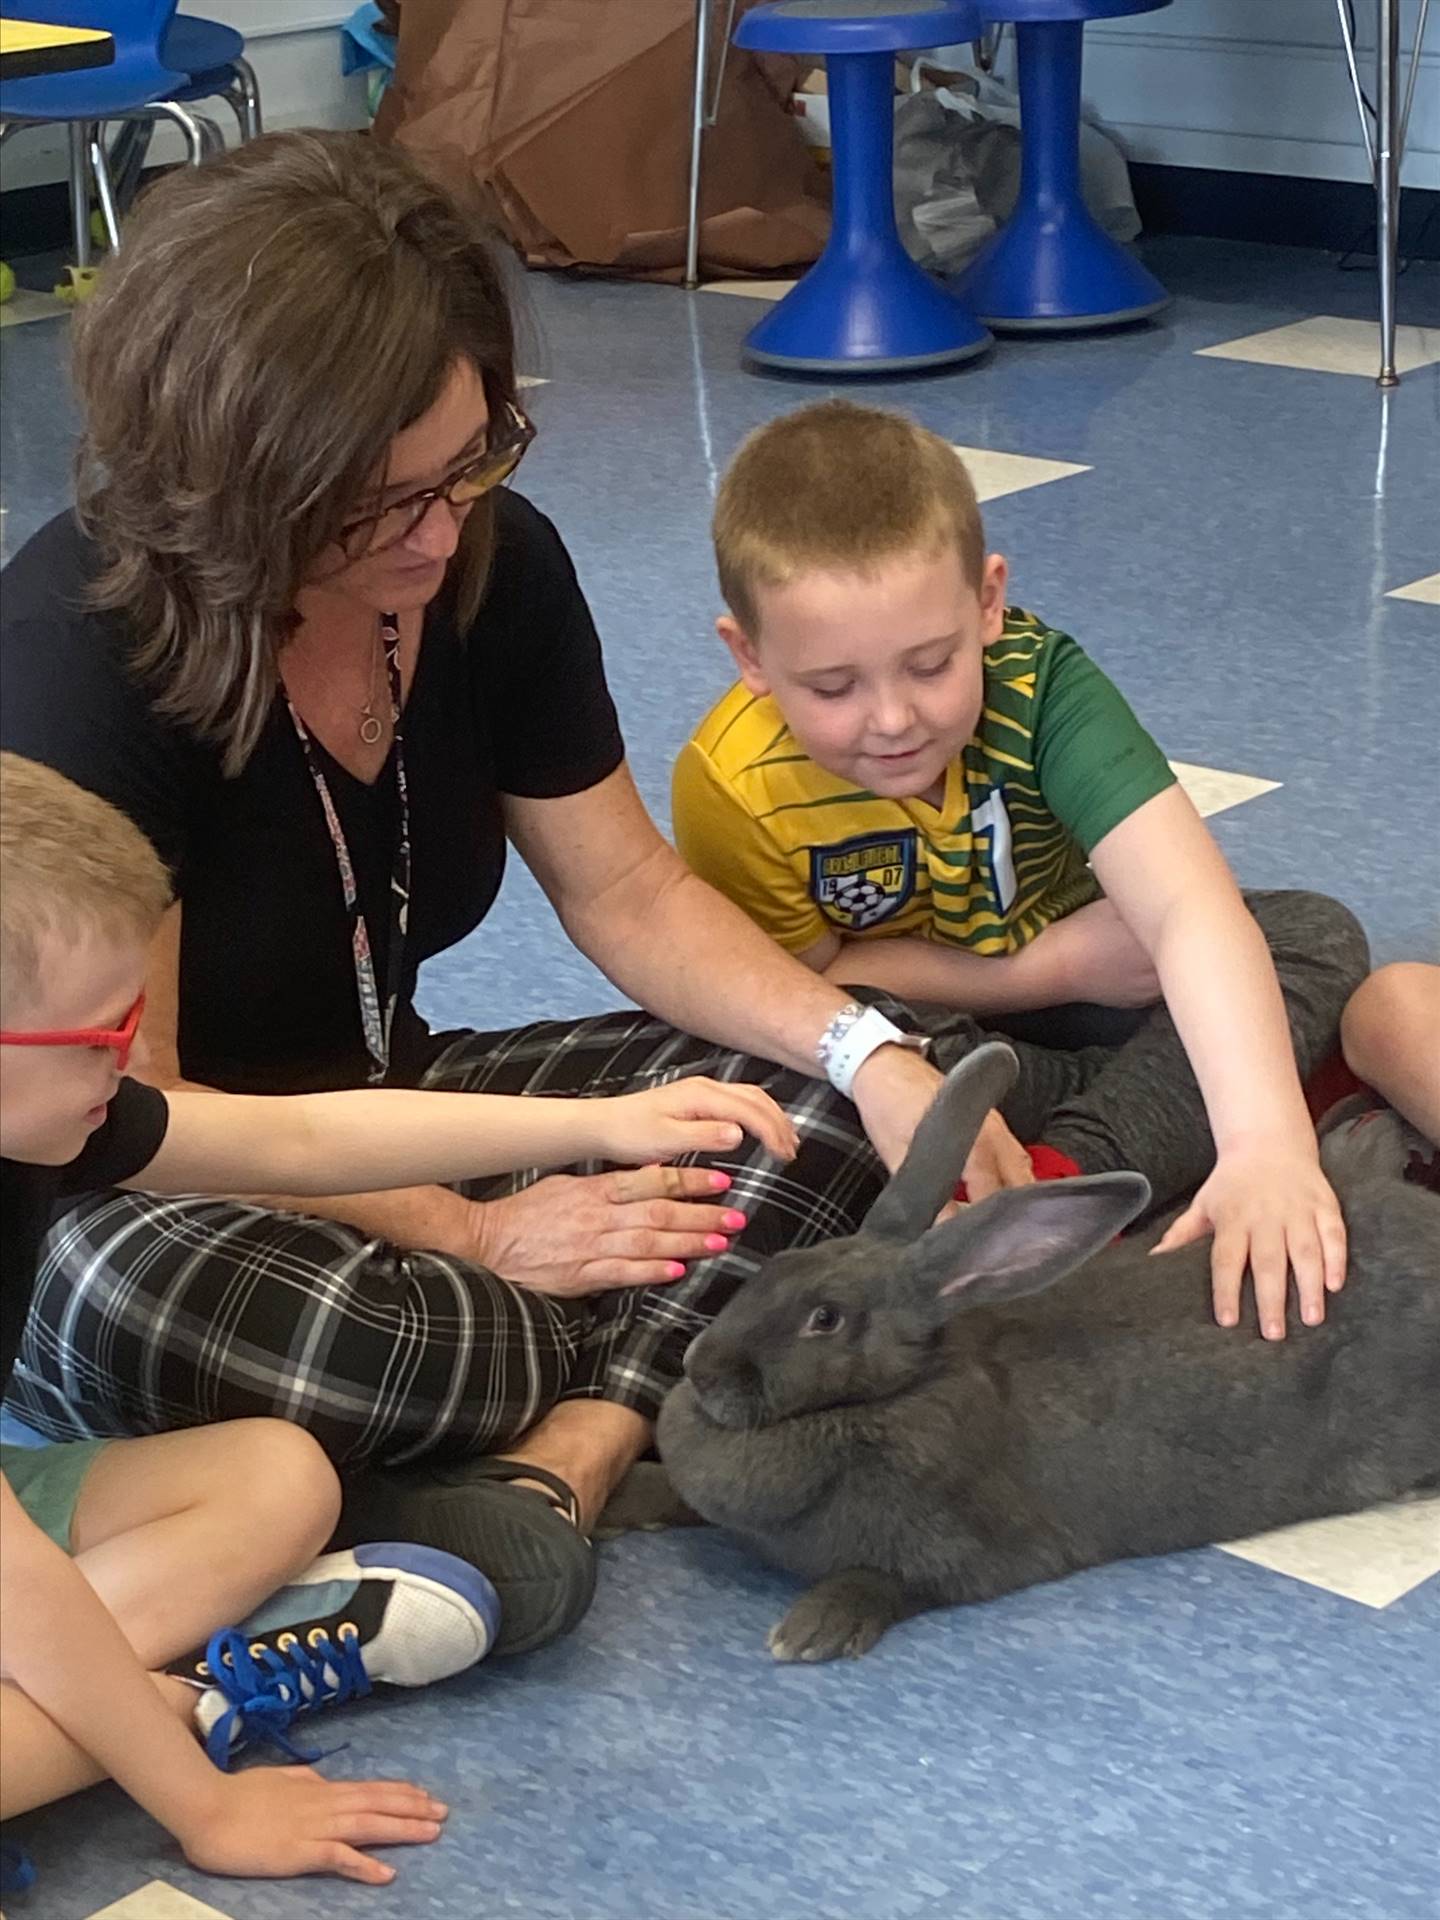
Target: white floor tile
{"type": "Point", "coordinates": [1329, 345]}
{"type": "Point", "coordinates": [1426, 591]}
{"type": "Point", "coordinates": [750, 289]}
{"type": "Point", "coordinates": [158, 1901]}
{"type": "Point", "coordinates": [25, 305]}
{"type": "Point", "coordinates": [1373, 1557]}
{"type": "Point", "coordinates": [1213, 790]}
{"type": "Point", "coordinates": [996, 474]}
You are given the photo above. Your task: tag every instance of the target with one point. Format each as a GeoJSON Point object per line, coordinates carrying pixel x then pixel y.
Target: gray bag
{"type": "Point", "coordinates": [957, 171]}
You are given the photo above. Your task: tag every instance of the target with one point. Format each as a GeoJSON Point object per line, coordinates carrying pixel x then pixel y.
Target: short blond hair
{"type": "Point", "coordinates": [70, 863]}
{"type": "Point", "coordinates": [837, 488]}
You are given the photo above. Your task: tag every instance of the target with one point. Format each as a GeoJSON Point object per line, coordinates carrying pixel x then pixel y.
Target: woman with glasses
{"type": "Point", "coordinates": [298, 632]}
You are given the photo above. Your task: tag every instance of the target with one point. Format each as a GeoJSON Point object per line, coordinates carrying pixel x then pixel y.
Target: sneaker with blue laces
{"type": "Point", "coordinates": [378, 1615]}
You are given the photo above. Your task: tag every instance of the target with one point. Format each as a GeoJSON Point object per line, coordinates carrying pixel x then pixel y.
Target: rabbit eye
{"type": "Point", "coordinates": [823, 1320]}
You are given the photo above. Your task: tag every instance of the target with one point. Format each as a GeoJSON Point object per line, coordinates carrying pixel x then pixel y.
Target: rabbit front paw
{"type": "Point", "coordinates": [840, 1618]}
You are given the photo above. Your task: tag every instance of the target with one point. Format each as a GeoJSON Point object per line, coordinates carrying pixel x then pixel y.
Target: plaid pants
{"type": "Point", "coordinates": [151, 1313]}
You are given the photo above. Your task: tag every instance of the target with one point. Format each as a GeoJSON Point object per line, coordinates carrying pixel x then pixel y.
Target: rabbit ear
{"type": "Point", "coordinates": [1023, 1239]}
{"type": "Point", "coordinates": [926, 1179]}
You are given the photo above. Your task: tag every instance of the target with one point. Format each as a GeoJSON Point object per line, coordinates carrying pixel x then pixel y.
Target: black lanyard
{"type": "Point", "coordinates": [376, 1019]}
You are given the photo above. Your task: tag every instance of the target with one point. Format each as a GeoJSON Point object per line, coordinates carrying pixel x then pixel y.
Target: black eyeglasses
{"type": "Point", "coordinates": [377, 531]}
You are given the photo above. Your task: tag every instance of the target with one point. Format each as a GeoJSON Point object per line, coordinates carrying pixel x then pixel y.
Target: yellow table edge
{"type": "Point", "coordinates": [33, 36]}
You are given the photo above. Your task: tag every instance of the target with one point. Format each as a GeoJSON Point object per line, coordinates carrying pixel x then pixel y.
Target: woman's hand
{"type": "Point", "coordinates": [892, 1092]}
{"type": "Point", "coordinates": [997, 1160]}
{"type": "Point", "coordinates": [276, 1822]}
{"type": "Point", "coordinates": [690, 1116]}
{"type": "Point", "coordinates": [575, 1234]}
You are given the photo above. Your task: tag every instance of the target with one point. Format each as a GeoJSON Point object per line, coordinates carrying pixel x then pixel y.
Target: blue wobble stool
{"type": "Point", "coordinates": [1051, 266]}
{"type": "Point", "coordinates": [864, 307]}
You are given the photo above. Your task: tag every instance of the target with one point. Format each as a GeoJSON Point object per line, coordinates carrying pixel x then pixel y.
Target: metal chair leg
{"type": "Point", "coordinates": [697, 140]}
{"type": "Point", "coordinates": [247, 103]}
{"type": "Point", "coordinates": [1387, 177]}
{"type": "Point", "coordinates": [126, 160]}
{"type": "Point", "coordinates": [100, 167]}
{"type": "Point", "coordinates": [704, 113]}
{"type": "Point", "coordinates": [78, 133]}
{"type": "Point", "coordinates": [202, 136]}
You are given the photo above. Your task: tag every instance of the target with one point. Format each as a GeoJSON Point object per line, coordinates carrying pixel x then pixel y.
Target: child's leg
{"type": "Point", "coordinates": [1391, 1035]}
{"type": "Point", "coordinates": [179, 1534]}
{"type": "Point", "coordinates": [1141, 1107]}
{"type": "Point", "coordinates": [183, 1534]}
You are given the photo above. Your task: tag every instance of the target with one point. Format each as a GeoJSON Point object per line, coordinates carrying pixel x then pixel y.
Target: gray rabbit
{"type": "Point", "coordinates": [923, 1415]}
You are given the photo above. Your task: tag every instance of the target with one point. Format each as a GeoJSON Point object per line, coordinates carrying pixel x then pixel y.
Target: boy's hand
{"type": "Point", "coordinates": [276, 1822]}
{"type": "Point", "coordinates": [1089, 955]}
{"type": "Point", "coordinates": [690, 1116]}
{"type": "Point", "coordinates": [1271, 1208]}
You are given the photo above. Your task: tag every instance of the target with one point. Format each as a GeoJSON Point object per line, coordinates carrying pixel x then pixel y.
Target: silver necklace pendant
{"type": "Point", "coordinates": [370, 730]}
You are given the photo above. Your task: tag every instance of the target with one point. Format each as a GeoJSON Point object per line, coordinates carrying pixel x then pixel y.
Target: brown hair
{"type": "Point", "coordinates": [838, 487]}
{"type": "Point", "coordinates": [69, 862]}
{"type": "Point", "coordinates": [274, 319]}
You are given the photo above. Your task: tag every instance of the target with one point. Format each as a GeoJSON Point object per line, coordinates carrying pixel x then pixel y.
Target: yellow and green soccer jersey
{"type": "Point", "coordinates": [1057, 761]}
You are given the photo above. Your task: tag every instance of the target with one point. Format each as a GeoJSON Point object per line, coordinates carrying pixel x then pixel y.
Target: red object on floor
{"type": "Point", "coordinates": [1048, 1164]}
{"type": "Point", "coordinates": [1332, 1081]}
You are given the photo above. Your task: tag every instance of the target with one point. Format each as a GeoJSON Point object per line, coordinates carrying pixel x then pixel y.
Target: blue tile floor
{"type": "Point", "coordinates": [1182, 1739]}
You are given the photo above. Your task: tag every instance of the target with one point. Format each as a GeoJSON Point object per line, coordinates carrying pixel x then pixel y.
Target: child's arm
{"type": "Point", "coordinates": [358, 1142]}
{"type": "Point", "coordinates": [1266, 1201]}
{"type": "Point", "coordinates": [1090, 955]}
{"type": "Point", "coordinates": [64, 1651]}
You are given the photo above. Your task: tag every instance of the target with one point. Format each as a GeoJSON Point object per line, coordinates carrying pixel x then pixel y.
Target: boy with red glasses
{"type": "Point", "coordinates": [156, 1589]}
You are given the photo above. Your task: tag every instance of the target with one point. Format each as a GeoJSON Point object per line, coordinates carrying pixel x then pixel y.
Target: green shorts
{"type": "Point", "coordinates": [46, 1481]}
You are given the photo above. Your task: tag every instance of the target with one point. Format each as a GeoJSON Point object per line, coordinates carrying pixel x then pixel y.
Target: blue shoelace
{"type": "Point", "coordinates": [265, 1691]}
{"type": "Point", "coordinates": [17, 1870]}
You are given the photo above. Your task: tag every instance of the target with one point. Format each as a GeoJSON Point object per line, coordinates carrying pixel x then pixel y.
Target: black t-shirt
{"type": "Point", "coordinates": [126, 1143]}
{"type": "Point", "coordinates": [268, 1003]}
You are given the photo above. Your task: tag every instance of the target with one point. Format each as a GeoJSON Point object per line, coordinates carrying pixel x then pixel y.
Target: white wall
{"type": "Point", "coordinates": [1253, 86]}
{"type": "Point", "coordinates": [294, 47]}
{"type": "Point", "coordinates": [1250, 86]}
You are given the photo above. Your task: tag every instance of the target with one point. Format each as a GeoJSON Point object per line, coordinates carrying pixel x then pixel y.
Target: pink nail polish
{"type": "Point", "coordinates": [674, 1270]}
{"type": "Point", "coordinates": [716, 1243]}
{"type": "Point", "coordinates": [734, 1221]}
{"type": "Point", "coordinates": [719, 1183]}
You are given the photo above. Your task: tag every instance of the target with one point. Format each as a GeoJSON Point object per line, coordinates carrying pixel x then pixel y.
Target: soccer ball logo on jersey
{"type": "Point", "coordinates": [861, 882]}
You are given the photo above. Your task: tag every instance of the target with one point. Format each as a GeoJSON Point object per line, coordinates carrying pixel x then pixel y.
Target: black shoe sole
{"type": "Point", "coordinates": [542, 1568]}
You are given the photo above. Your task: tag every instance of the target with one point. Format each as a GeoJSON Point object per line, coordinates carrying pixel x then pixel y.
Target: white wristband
{"type": "Point", "coordinates": [851, 1037]}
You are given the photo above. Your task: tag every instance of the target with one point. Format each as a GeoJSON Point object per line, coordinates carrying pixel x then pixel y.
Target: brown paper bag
{"type": "Point", "coordinates": [572, 118]}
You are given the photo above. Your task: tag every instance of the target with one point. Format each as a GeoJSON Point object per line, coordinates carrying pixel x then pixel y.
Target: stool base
{"type": "Point", "coordinates": [1049, 274]}
{"type": "Point", "coordinates": [882, 316]}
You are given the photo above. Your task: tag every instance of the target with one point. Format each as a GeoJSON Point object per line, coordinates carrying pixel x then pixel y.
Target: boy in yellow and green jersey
{"type": "Point", "coordinates": [918, 788]}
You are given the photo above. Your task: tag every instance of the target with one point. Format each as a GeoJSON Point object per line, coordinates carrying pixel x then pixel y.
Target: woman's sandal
{"type": "Point", "coordinates": [526, 1542]}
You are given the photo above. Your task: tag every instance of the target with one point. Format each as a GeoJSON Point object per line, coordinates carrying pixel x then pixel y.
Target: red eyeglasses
{"type": "Point", "coordinates": [121, 1038]}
